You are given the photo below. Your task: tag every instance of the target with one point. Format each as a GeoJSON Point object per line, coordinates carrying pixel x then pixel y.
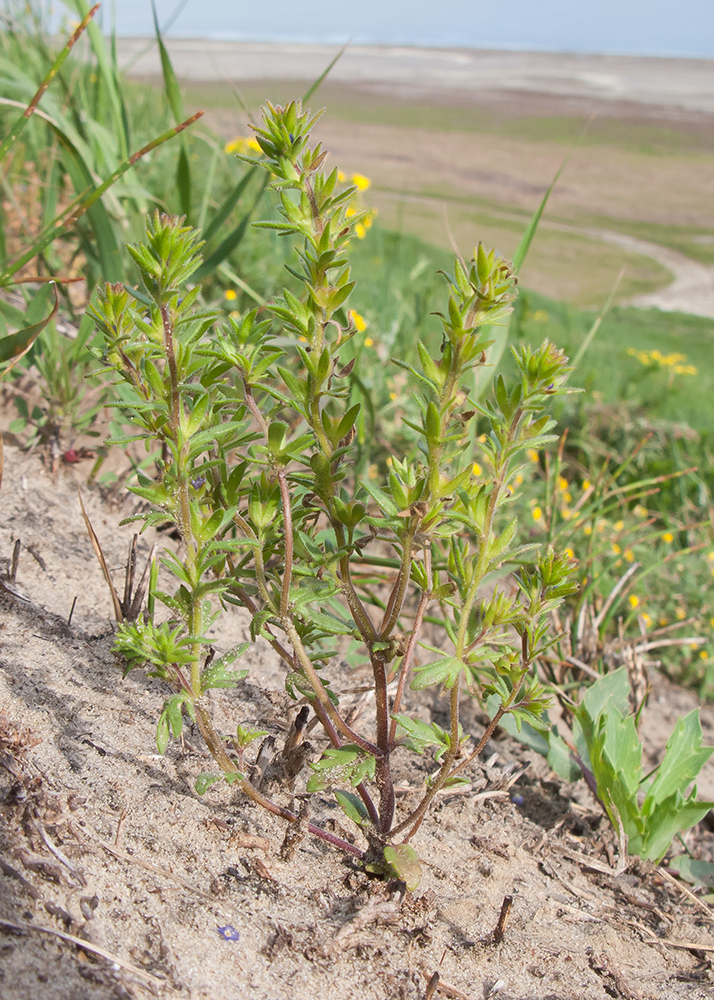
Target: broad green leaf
{"type": "Point", "coordinates": [670, 817]}
{"type": "Point", "coordinates": [683, 760]}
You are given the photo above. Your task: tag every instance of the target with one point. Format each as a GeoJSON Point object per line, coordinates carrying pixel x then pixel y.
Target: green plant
{"type": "Point", "coordinates": [68, 404]}
{"type": "Point", "coordinates": [255, 435]}
{"type": "Point", "coordinates": [650, 809]}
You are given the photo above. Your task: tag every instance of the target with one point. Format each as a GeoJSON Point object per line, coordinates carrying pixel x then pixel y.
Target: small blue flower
{"type": "Point", "coordinates": [198, 482]}
{"type": "Point", "coordinates": [229, 933]}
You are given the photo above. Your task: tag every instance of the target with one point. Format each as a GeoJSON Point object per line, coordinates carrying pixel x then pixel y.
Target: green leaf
{"type": "Point", "coordinates": [670, 817]}
{"type": "Point", "coordinates": [162, 732]}
{"type": "Point", "coordinates": [332, 625]}
{"type": "Point", "coordinates": [442, 671]}
{"type": "Point", "coordinates": [420, 735]}
{"type": "Point", "coordinates": [403, 863]}
{"type": "Point", "coordinates": [683, 760]}
{"type": "Point", "coordinates": [205, 780]}
{"type": "Point", "coordinates": [14, 346]}
{"type": "Point", "coordinates": [353, 807]}
{"type": "Point", "coordinates": [173, 709]}
{"type": "Point", "coordinates": [692, 871]}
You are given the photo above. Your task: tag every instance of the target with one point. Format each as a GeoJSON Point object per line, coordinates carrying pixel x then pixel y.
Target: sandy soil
{"type": "Point", "coordinates": [104, 840]}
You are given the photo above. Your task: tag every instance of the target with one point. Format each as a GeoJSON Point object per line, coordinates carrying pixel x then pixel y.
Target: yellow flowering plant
{"type": "Point", "coordinates": [255, 435]}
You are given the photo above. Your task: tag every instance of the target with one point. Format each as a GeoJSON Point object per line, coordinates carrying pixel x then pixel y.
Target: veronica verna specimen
{"type": "Point", "coordinates": [253, 423]}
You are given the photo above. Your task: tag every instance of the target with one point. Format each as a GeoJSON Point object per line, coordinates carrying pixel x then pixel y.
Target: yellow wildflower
{"type": "Point", "coordinates": [567, 497]}
{"type": "Point", "coordinates": [537, 513]}
{"type": "Point", "coordinates": [341, 176]}
{"type": "Point", "coordinates": [662, 622]}
{"type": "Point", "coordinates": [641, 511]}
{"type": "Point", "coordinates": [230, 294]}
{"type": "Point", "coordinates": [586, 484]}
{"type": "Point", "coordinates": [532, 455]}
{"type": "Point", "coordinates": [368, 342]}
{"type": "Point", "coordinates": [668, 536]}
{"type": "Point", "coordinates": [619, 525]}
{"type": "Point", "coordinates": [519, 478]}
{"type": "Point", "coordinates": [360, 231]}
{"type": "Point", "coordinates": [681, 614]}
{"type": "Point", "coordinates": [361, 182]}
{"type": "Point", "coordinates": [646, 619]}
{"type": "Point", "coordinates": [711, 622]}
{"type": "Point", "coordinates": [476, 469]}
{"type": "Point", "coordinates": [392, 396]}
{"type": "Point", "coordinates": [704, 655]}
{"type": "Point", "coordinates": [634, 601]}
{"type": "Point", "coordinates": [570, 554]}
{"type": "Point", "coordinates": [243, 144]}
{"type": "Point", "coordinates": [710, 556]}
{"type": "Point", "coordinates": [360, 323]}
{"type": "Point", "coordinates": [588, 529]}
{"type": "Point", "coordinates": [562, 483]}
{"type": "Point", "coordinates": [566, 513]}
{"type": "Point", "coordinates": [629, 555]}
{"type": "Point", "coordinates": [616, 549]}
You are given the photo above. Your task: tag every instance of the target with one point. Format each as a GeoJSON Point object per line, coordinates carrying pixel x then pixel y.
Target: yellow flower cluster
{"type": "Point", "coordinates": [361, 183]}
{"type": "Point", "coordinates": [672, 361]}
{"type": "Point", "coordinates": [242, 144]}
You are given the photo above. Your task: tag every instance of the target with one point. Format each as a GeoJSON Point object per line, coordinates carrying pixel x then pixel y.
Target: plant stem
{"type": "Point", "coordinates": [396, 598]}
{"type": "Point", "coordinates": [415, 817]}
{"type": "Point", "coordinates": [383, 775]}
{"type": "Point", "coordinates": [288, 533]}
{"type": "Point", "coordinates": [322, 695]}
{"type": "Point", "coordinates": [407, 661]}
{"type": "Point", "coordinates": [219, 754]}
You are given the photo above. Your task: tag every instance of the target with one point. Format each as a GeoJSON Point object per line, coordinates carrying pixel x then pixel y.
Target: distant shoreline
{"type": "Point", "coordinates": [407, 71]}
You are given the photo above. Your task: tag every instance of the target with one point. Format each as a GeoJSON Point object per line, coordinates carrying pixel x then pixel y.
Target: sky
{"type": "Point", "coordinates": [636, 27]}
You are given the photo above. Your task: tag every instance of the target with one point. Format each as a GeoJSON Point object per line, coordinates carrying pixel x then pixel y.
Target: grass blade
{"type": "Point", "coordinates": [12, 348]}
{"type": "Point", "coordinates": [173, 95]}
{"type": "Point", "coordinates": [325, 73]}
{"type": "Point", "coordinates": [590, 335]}
{"type": "Point", "coordinates": [228, 205]}
{"type": "Point", "coordinates": [107, 71]}
{"type": "Point", "coordinates": [56, 66]}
